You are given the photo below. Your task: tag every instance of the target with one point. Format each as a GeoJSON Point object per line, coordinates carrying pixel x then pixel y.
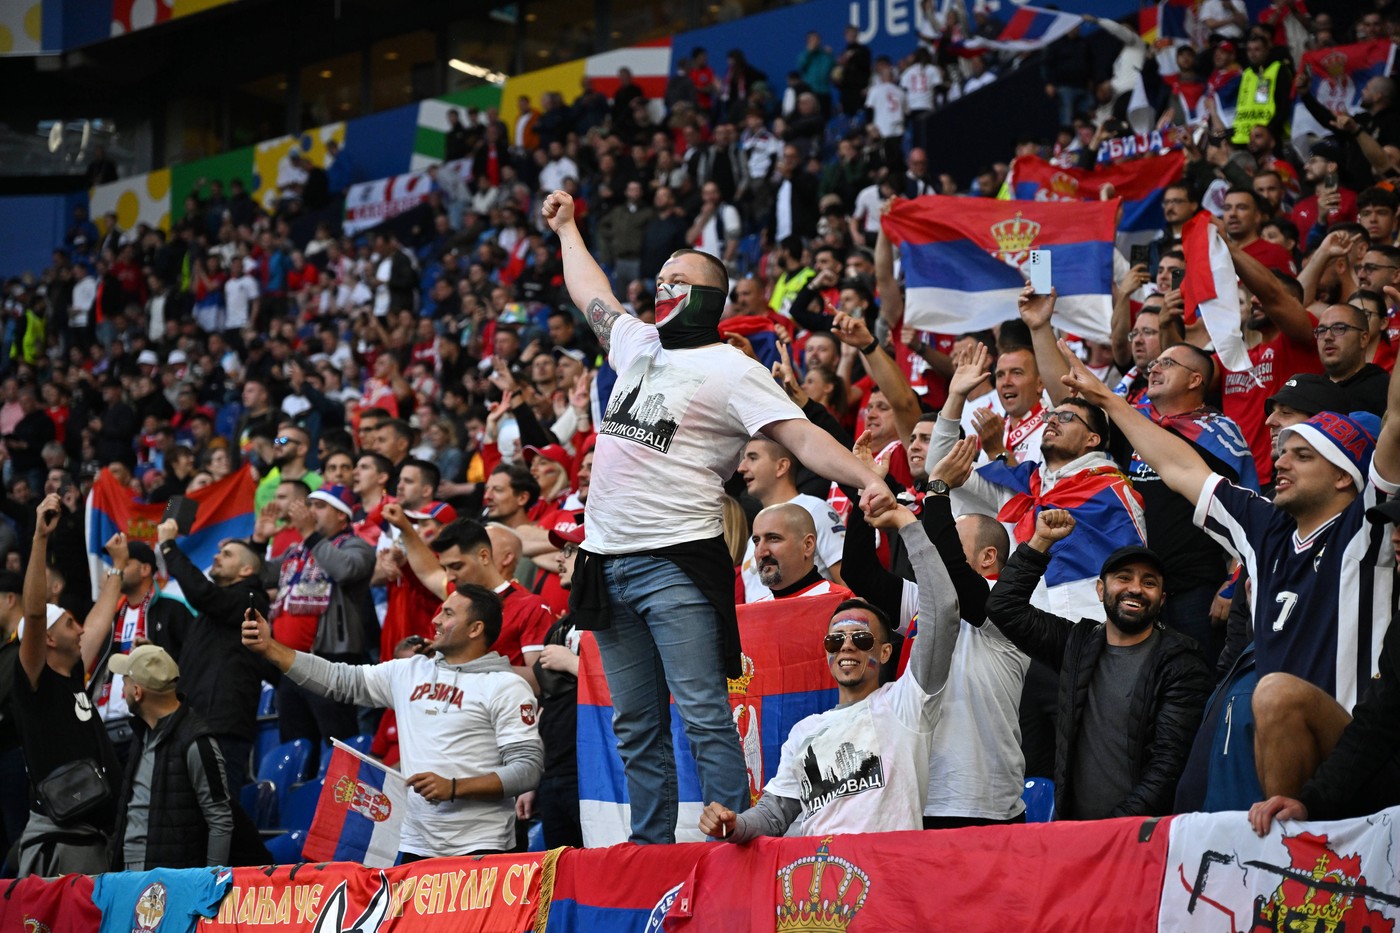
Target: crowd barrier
{"type": "Point", "coordinates": [1198, 872]}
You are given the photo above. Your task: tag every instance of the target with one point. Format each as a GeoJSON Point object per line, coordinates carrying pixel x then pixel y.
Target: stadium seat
{"type": "Point", "coordinates": [259, 801]}
{"type": "Point", "coordinates": [269, 737]}
{"type": "Point", "coordinates": [267, 701]}
{"type": "Point", "coordinates": [536, 836]}
{"type": "Point", "coordinates": [286, 848]}
{"type": "Point", "coordinates": [1039, 796]}
{"type": "Point", "coordinates": [301, 805]}
{"type": "Point", "coordinates": [283, 767]}
{"type": "Point", "coordinates": [359, 743]}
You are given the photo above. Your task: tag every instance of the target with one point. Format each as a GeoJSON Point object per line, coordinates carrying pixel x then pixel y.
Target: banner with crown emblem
{"type": "Point", "coordinates": [1139, 183]}
{"type": "Point", "coordinates": [785, 679]}
{"type": "Point", "coordinates": [996, 878]}
{"type": "Point", "coordinates": [963, 257]}
{"type": "Point", "coordinates": [1338, 75]}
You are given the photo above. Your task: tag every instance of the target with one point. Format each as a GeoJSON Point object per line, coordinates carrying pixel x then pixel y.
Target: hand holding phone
{"type": "Point", "coordinates": [1038, 269]}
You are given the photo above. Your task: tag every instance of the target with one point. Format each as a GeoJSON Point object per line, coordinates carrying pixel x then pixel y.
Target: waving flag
{"type": "Point", "coordinates": [1224, 86]}
{"type": "Point", "coordinates": [225, 511]}
{"type": "Point", "coordinates": [1175, 21]}
{"type": "Point", "coordinates": [1029, 28]}
{"type": "Point", "coordinates": [1338, 75]}
{"type": "Point", "coordinates": [1209, 289]}
{"type": "Point", "coordinates": [1139, 183]}
{"type": "Point", "coordinates": [962, 260]}
{"type": "Point", "coordinates": [359, 813]}
{"type": "Point", "coordinates": [785, 679]}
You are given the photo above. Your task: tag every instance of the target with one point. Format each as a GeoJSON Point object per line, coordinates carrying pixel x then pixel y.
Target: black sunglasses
{"type": "Point", "coordinates": [834, 641]}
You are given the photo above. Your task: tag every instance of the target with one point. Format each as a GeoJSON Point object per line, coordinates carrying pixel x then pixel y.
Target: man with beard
{"type": "Point", "coordinates": [782, 552]}
{"type": "Point", "coordinates": [289, 450]}
{"type": "Point", "coordinates": [1131, 690]}
{"type": "Point", "coordinates": [769, 471]}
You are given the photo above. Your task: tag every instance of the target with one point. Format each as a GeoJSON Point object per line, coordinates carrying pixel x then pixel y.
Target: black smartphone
{"type": "Point", "coordinates": [1331, 181]}
{"type": "Point", "coordinates": [183, 510]}
{"type": "Point", "coordinates": [1176, 275]}
{"type": "Point", "coordinates": [1139, 255]}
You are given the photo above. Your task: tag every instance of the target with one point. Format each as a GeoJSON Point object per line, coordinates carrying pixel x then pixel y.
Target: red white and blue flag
{"type": "Point", "coordinates": [1175, 21]}
{"type": "Point", "coordinates": [785, 679]}
{"type": "Point", "coordinates": [962, 260]}
{"type": "Point", "coordinates": [1102, 500]}
{"type": "Point", "coordinates": [1029, 28]}
{"type": "Point", "coordinates": [225, 511]}
{"type": "Point", "coordinates": [1337, 77]}
{"type": "Point", "coordinates": [1139, 183]}
{"type": "Point", "coordinates": [1210, 289]}
{"type": "Point", "coordinates": [360, 812]}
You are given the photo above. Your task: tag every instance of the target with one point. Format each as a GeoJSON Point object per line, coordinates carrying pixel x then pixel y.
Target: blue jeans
{"type": "Point", "coordinates": [665, 642]}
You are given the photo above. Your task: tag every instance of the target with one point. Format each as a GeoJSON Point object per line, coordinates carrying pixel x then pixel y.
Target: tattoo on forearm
{"type": "Point", "coordinates": [601, 318]}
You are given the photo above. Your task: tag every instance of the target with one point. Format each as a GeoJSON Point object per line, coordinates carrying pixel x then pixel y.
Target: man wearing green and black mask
{"type": "Point", "coordinates": [654, 579]}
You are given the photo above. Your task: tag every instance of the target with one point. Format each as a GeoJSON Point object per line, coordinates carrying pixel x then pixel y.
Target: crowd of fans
{"type": "Point", "coordinates": [1126, 525]}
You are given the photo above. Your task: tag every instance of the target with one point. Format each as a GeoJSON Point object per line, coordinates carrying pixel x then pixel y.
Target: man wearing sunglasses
{"type": "Point", "coordinates": [863, 766]}
{"type": "Point", "coordinates": [289, 450]}
{"type": "Point", "coordinates": [1344, 340]}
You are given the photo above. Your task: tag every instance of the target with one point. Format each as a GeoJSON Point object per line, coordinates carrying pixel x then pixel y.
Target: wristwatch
{"type": "Point", "coordinates": [938, 487]}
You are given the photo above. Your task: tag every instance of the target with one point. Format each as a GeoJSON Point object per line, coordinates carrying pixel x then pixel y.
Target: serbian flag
{"type": "Point", "coordinates": [758, 331]}
{"type": "Point", "coordinates": [587, 895]}
{"type": "Point", "coordinates": [1139, 182]}
{"type": "Point", "coordinates": [1175, 21]}
{"type": "Point", "coordinates": [225, 511]}
{"type": "Point", "coordinates": [785, 679]}
{"type": "Point", "coordinates": [358, 816]}
{"type": "Point", "coordinates": [1209, 289]}
{"type": "Point", "coordinates": [1029, 28]}
{"type": "Point", "coordinates": [1106, 509]}
{"type": "Point", "coordinates": [1224, 86]}
{"type": "Point", "coordinates": [962, 260]}
{"type": "Point", "coordinates": [1337, 77]}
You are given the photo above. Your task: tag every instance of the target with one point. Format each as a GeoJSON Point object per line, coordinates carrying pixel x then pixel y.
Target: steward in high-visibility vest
{"type": "Point", "coordinates": [1258, 102]}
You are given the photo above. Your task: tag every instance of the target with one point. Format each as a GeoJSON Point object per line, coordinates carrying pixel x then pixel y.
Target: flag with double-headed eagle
{"type": "Point", "coordinates": [360, 811]}
{"type": "Point", "coordinates": [784, 679]}
{"type": "Point", "coordinates": [963, 260]}
{"type": "Point", "coordinates": [1337, 76]}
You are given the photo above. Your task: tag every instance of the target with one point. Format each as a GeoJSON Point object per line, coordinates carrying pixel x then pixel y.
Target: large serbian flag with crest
{"type": "Point", "coordinates": [962, 260]}
{"type": "Point", "coordinates": [359, 813]}
{"type": "Point", "coordinates": [1139, 183]}
{"type": "Point", "coordinates": [1337, 76]}
{"type": "Point", "coordinates": [785, 679]}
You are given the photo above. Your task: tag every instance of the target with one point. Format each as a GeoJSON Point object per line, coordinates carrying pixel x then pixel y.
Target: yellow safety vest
{"type": "Point", "coordinates": [1255, 105]}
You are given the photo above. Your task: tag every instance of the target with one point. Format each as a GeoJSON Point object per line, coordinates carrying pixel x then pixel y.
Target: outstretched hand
{"type": "Point", "coordinates": [971, 371]}
{"type": "Point", "coordinates": [956, 465]}
{"type": "Point", "coordinates": [1082, 382]}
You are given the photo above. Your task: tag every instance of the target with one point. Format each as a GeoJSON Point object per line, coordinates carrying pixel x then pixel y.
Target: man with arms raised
{"type": "Point", "coordinates": [655, 579]}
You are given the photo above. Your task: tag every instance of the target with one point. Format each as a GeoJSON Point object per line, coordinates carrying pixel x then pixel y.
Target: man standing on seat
{"type": "Point", "coordinates": [655, 579]}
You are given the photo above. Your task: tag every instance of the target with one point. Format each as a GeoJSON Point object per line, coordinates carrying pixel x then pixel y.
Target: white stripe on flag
{"type": "Point", "coordinates": [1221, 314]}
{"type": "Point", "coordinates": [605, 823]}
{"type": "Point", "coordinates": [948, 311]}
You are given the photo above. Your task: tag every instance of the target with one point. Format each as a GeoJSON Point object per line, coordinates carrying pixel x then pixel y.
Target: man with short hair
{"type": "Point", "coordinates": [266, 533]}
{"type": "Point", "coordinates": [768, 471]}
{"type": "Point", "coordinates": [220, 681]}
{"type": "Point", "coordinates": [176, 809]}
{"type": "Point", "coordinates": [1131, 690]}
{"type": "Point", "coordinates": [418, 482]}
{"type": "Point", "coordinates": [289, 452]}
{"type": "Point", "coordinates": [1179, 204]}
{"type": "Point", "coordinates": [783, 548]}
{"type": "Point", "coordinates": [467, 735]}
{"type": "Point", "coordinates": [863, 766]}
{"type": "Point", "coordinates": [509, 494]}
{"type": "Point", "coordinates": [717, 229]}
{"type": "Point", "coordinates": [1343, 340]}
{"type": "Point", "coordinates": [1376, 212]}
{"type": "Point", "coordinates": [395, 442]}
{"type": "Point", "coordinates": [1321, 579]}
{"type": "Point", "coordinates": [323, 605]}
{"type": "Point", "coordinates": [1244, 215]}
{"type": "Point", "coordinates": [682, 409]}
{"type": "Point", "coordinates": [1379, 267]}
{"type": "Point", "coordinates": [54, 714]}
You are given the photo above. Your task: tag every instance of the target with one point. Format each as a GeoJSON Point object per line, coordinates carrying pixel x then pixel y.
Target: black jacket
{"type": "Point", "coordinates": [1166, 707]}
{"type": "Point", "coordinates": [1370, 743]}
{"type": "Point", "coordinates": [219, 678]}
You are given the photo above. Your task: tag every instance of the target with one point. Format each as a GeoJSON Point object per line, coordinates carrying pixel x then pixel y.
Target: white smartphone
{"type": "Point", "coordinates": [1038, 268]}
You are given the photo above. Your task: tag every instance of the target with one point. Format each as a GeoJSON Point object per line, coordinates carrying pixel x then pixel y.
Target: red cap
{"type": "Point", "coordinates": [552, 452]}
{"type": "Point", "coordinates": [562, 536]}
{"type": "Point", "coordinates": [438, 511]}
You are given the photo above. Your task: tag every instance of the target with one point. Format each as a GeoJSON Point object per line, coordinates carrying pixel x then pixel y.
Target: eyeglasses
{"type": "Point", "coordinates": [1065, 416]}
{"type": "Point", "coordinates": [1373, 267]}
{"type": "Point", "coordinates": [1336, 330]}
{"type": "Point", "coordinates": [568, 550]}
{"type": "Point", "coordinates": [835, 641]}
{"type": "Point", "coordinates": [1165, 363]}
{"type": "Point", "coordinates": [1148, 332]}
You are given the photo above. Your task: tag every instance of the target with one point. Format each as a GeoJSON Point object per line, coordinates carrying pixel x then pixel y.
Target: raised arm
{"type": "Point", "coordinates": [1276, 301]}
{"type": "Point", "coordinates": [891, 298]}
{"type": "Point", "coordinates": [938, 606]}
{"type": "Point", "coordinates": [1335, 245]}
{"type": "Point", "coordinates": [1040, 634]}
{"type": "Point", "coordinates": [97, 628]}
{"type": "Point", "coordinates": [421, 559]}
{"type": "Point", "coordinates": [1035, 311]}
{"type": "Point", "coordinates": [33, 650]}
{"type": "Point", "coordinates": [1176, 461]}
{"type": "Point", "coordinates": [587, 283]}
{"type": "Point", "coordinates": [819, 452]}
{"type": "Point", "coordinates": [1122, 320]}
{"type": "Point", "coordinates": [853, 331]}
{"type": "Point", "coordinates": [349, 683]}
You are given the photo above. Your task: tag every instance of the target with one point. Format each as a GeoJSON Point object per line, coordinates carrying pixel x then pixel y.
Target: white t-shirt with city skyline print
{"type": "Point", "coordinates": [861, 768]}
{"type": "Point", "coordinates": [671, 434]}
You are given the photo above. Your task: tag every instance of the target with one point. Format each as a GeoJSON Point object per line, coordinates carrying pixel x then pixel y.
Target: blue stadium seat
{"type": "Point", "coordinates": [536, 836]}
{"type": "Point", "coordinates": [301, 805]}
{"type": "Point", "coordinates": [359, 743]}
{"type": "Point", "coordinates": [259, 801]}
{"type": "Point", "coordinates": [269, 737]}
{"type": "Point", "coordinates": [286, 848]}
{"type": "Point", "coordinates": [267, 701]}
{"type": "Point", "coordinates": [283, 767]}
{"type": "Point", "coordinates": [1039, 796]}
